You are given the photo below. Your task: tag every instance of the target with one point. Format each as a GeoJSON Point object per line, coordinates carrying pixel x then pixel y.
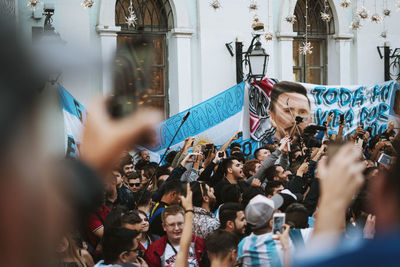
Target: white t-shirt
{"type": "Point", "coordinates": [170, 256]}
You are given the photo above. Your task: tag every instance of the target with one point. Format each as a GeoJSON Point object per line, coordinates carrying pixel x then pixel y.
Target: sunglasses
{"type": "Point", "coordinates": [134, 184]}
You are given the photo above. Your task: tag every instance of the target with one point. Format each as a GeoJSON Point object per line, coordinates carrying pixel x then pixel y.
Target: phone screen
{"type": "Point", "coordinates": [131, 69]}
{"type": "Point", "coordinates": [278, 221]}
{"type": "Point", "coordinates": [385, 159]}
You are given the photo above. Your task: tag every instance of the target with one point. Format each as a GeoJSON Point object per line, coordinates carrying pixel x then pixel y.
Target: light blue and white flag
{"type": "Point", "coordinates": [215, 121]}
{"type": "Point", "coordinates": [74, 117]}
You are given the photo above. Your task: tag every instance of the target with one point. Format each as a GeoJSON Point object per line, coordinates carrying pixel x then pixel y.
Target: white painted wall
{"type": "Point", "coordinates": [199, 64]}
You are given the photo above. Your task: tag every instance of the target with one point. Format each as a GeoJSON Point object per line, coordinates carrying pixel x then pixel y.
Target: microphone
{"type": "Point", "coordinates": [186, 116]}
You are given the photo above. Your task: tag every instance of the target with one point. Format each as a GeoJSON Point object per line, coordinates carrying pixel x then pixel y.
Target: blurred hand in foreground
{"type": "Point", "coordinates": [341, 178]}
{"type": "Point", "coordinates": [104, 138]}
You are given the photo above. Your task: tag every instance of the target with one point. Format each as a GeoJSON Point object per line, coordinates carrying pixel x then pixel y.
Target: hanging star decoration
{"type": "Point", "coordinates": [325, 16]}
{"type": "Point", "coordinates": [387, 12]}
{"type": "Point", "coordinates": [384, 34]}
{"type": "Point", "coordinates": [355, 24]}
{"type": "Point", "coordinates": [291, 19]}
{"type": "Point", "coordinates": [376, 18]}
{"type": "Point", "coordinates": [131, 20]}
{"type": "Point", "coordinates": [306, 48]}
{"type": "Point", "coordinates": [87, 3]}
{"type": "Point", "coordinates": [363, 13]}
{"type": "Point", "coordinates": [215, 4]}
{"type": "Point", "coordinates": [32, 4]}
{"type": "Point", "coordinates": [345, 3]}
{"type": "Point", "coordinates": [268, 36]}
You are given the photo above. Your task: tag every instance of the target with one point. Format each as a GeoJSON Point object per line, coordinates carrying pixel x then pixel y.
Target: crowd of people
{"type": "Point", "coordinates": [216, 206]}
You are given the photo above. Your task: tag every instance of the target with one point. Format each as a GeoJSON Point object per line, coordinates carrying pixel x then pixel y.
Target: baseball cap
{"type": "Point", "coordinates": [260, 209]}
{"type": "Point", "coordinates": [288, 198]}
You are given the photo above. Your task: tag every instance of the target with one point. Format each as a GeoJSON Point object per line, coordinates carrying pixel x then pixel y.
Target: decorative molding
{"type": "Point", "coordinates": [182, 32]}
{"type": "Point", "coordinates": [108, 30]}
{"type": "Point", "coordinates": [343, 36]}
{"type": "Point", "coordinates": [286, 36]}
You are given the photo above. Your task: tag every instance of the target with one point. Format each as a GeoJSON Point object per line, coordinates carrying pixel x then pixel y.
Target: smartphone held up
{"type": "Point", "coordinates": [278, 221]}
{"type": "Point", "coordinates": [133, 76]}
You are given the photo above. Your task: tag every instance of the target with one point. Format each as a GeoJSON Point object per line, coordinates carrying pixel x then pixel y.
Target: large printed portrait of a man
{"type": "Point", "coordinates": [288, 101]}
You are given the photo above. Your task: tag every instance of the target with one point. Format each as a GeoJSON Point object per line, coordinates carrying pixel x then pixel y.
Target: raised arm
{"type": "Point", "coordinates": [225, 146]}
{"type": "Point", "coordinates": [184, 244]}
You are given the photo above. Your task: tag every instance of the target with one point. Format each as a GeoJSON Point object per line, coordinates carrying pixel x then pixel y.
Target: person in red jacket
{"type": "Point", "coordinates": [163, 252]}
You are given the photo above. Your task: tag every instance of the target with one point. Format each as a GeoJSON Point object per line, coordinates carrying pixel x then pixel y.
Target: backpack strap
{"type": "Point", "coordinates": [155, 212]}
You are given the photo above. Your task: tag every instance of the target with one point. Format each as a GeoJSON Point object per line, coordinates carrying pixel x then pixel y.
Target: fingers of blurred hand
{"type": "Point", "coordinates": [104, 138]}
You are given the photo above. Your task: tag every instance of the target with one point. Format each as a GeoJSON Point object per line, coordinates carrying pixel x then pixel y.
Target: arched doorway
{"type": "Point", "coordinates": [312, 68]}
{"type": "Point", "coordinates": [154, 19]}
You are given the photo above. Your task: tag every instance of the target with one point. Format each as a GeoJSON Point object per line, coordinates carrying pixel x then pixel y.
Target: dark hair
{"type": "Point", "coordinates": [227, 163]}
{"type": "Point", "coordinates": [199, 190]}
{"type": "Point", "coordinates": [228, 212]}
{"type": "Point", "coordinates": [163, 170]}
{"type": "Point", "coordinates": [271, 185]}
{"type": "Point", "coordinates": [170, 156]}
{"type": "Point", "coordinates": [230, 193]}
{"type": "Point", "coordinates": [239, 155]}
{"type": "Point", "coordinates": [148, 233]}
{"type": "Point", "coordinates": [115, 241]}
{"type": "Point", "coordinates": [250, 166]}
{"type": "Point", "coordinates": [235, 145]}
{"type": "Point", "coordinates": [132, 217]}
{"type": "Point", "coordinates": [367, 172]}
{"type": "Point", "coordinates": [173, 186]}
{"type": "Point", "coordinates": [142, 198]}
{"type": "Point", "coordinates": [134, 175]}
{"type": "Point", "coordinates": [297, 216]}
{"type": "Point", "coordinates": [220, 243]}
{"type": "Point", "coordinates": [140, 164]}
{"type": "Point", "coordinates": [160, 183]}
{"type": "Point", "coordinates": [148, 170]}
{"type": "Point", "coordinates": [270, 147]}
{"type": "Point", "coordinates": [250, 193]}
{"type": "Point", "coordinates": [113, 219]}
{"type": "Point", "coordinates": [257, 152]}
{"type": "Point", "coordinates": [270, 173]}
{"type": "Point", "coordinates": [126, 159]}
{"type": "Point", "coordinates": [286, 87]}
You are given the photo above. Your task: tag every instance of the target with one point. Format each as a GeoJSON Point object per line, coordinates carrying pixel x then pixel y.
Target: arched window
{"type": "Point", "coordinates": [153, 20]}
{"type": "Point", "coordinates": [312, 68]}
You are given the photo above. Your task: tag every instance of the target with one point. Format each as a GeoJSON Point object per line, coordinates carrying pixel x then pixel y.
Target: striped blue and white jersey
{"type": "Point", "coordinates": [262, 250]}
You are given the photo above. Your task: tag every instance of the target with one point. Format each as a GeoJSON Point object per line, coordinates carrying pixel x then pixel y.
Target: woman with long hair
{"type": "Point", "coordinates": [71, 256]}
{"type": "Point", "coordinates": [146, 237]}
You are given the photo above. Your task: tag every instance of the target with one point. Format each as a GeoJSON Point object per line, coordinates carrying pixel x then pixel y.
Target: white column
{"type": "Point", "coordinates": [180, 74]}
{"type": "Point", "coordinates": [343, 48]}
{"type": "Point", "coordinates": [108, 42]}
{"type": "Point", "coordinates": [285, 56]}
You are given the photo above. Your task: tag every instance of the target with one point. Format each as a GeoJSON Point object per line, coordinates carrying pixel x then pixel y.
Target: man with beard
{"type": "Point", "coordinates": [288, 101]}
{"type": "Point", "coordinates": [204, 221]}
{"type": "Point", "coordinates": [232, 218]}
{"type": "Point", "coordinates": [233, 171]}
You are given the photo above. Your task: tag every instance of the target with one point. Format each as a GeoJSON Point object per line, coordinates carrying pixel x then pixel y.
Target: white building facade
{"type": "Point", "coordinates": [190, 37]}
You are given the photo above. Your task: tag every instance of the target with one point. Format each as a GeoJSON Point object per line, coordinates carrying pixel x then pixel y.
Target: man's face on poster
{"type": "Point", "coordinates": [284, 122]}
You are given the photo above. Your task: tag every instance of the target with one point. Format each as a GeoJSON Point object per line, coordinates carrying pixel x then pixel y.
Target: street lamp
{"type": "Point", "coordinates": [257, 59]}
